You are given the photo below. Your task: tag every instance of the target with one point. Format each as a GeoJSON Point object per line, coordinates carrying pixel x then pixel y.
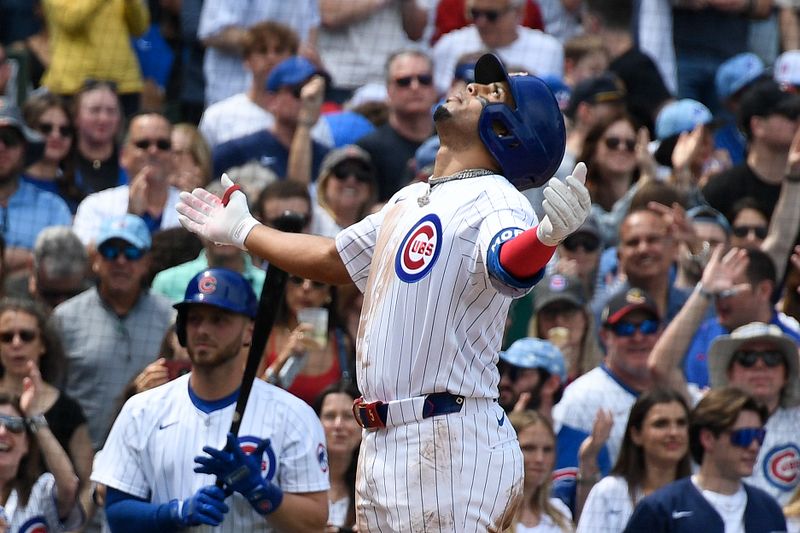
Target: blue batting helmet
{"type": "Point", "coordinates": [221, 288]}
{"type": "Point", "coordinates": [528, 141]}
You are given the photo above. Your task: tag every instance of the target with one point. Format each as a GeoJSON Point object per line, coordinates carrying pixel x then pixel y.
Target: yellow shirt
{"type": "Point", "coordinates": [90, 39]}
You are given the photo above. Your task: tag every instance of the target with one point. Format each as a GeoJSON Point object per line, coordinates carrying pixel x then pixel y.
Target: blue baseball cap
{"type": "Point", "coordinates": [736, 73]}
{"type": "Point", "coordinates": [129, 228]}
{"type": "Point", "coordinates": [560, 90]}
{"type": "Point", "coordinates": [292, 72]}
{"type": "Point", "coordinates": [425, 156]}
{"type": "Point", "coordinates": [531, 353]}
{"type": "Point", "coordinates": [681, 115]}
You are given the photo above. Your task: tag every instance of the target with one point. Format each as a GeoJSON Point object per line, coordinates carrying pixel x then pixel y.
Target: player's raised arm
{"type": "Point", "coordinates": [228, 221]}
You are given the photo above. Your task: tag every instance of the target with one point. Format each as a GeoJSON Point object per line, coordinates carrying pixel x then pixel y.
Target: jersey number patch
{"type": "Point", "coordinates": [419, 250]}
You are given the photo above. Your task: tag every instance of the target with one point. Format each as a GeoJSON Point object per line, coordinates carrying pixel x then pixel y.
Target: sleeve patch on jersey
{"type": "Point", "coordinates": [419, 250]}
{"type": "Point", "coordinates": [782, 467]}
{"type": "Point", "coordinates": [322, 457]}
{"type": "Point", "coordinates": [249, 444]}
{"type": "Point", "coordinates": [496, 269]}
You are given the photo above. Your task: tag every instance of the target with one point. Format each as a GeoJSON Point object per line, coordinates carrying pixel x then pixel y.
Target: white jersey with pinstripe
{"type": "Point", "coordinates": [432, 321]}
{"type": "Point", "coordinates": [151, 448]}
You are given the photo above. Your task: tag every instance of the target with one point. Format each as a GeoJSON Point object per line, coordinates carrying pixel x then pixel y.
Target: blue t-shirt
{"type": "Point", "coordinates": [30, 210]}
{"type": "Point", "coordinates": [263, 148]}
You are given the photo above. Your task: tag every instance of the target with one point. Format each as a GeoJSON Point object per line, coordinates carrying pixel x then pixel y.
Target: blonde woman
{"type": "Point", "coordinates": [539, 513]}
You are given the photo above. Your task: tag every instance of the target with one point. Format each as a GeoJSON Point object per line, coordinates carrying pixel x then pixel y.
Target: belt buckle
{"type": "Point", "coordinates": [366, 414]}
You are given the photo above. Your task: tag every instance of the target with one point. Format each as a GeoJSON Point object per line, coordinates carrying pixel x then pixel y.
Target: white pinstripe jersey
{"type": "Point", "coordinates": [433, 316]}
{"type": "Point", "coordinates": [151, 448]}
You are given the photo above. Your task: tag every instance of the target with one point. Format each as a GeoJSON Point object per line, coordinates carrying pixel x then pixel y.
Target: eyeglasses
{"type": "Point", "coordinates": [342, 172]}
{"type": "Point", "coordinates": [299, 282]}
{"type": "Point", "coordinates": [743, 231]}
{"type": "Point", "coordinates": [110, 252]}
{"type": "Point", "coordinates": [589, 243]}
{"type": "Point", "coordinates": [423, 79]}
{"type": "Point", "coordinates": [748, 358]}
{"type": "Point", "coordinates": [47, 128]}
{"type": "Point", "coordinates": [15, 424]}
{"type": "Point", "coordinates": [627, 329]}
{"type": "Point", "coordinates": [744, 437]}
{"type": "Point", "coordinates": [161, 144]}
{"type": "Point", "coordinates": [617, 143]}
{"type": "Point", "coordinates": [25, 335]}
{"type": "Point", "coordinates": [491, 14]}
{"type": "Point", "coordinates": [10, 137]}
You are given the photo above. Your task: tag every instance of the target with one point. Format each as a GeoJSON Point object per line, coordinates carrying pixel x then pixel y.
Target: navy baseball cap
{"type": "Point", "coordinates": [130, 228]}
{"type": "Point", "coordinates": [292, 72]}
{"type": "Point", "coordinates": [558, 288]}
{"type": "Point", "coordinates": [604, 89]}
{"type": "Point", "coordinates": [532, 353]}
{"type": "Point", "coordinates": [626, 301]}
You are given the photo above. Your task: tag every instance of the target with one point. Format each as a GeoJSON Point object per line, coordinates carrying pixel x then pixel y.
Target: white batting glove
{"type": "Point", "coordinates": [566, 207]}
{"type": "Point", "coordinates": [203, 213]}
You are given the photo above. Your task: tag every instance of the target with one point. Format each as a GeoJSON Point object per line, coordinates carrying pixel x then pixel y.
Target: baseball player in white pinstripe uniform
{"type": "Point", "coordinates": [438, 266]}
{"type": "Point", "coordinates": [275, 476]}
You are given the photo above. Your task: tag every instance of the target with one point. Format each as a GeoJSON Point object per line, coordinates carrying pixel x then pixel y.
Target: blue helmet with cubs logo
{"type": "Point", "coordinates": [528, 140]}
{"type": "Point", "coordinates": [218, 287]}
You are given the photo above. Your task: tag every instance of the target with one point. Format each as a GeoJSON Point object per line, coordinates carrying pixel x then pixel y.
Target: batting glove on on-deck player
{"type": "Point", "coordinates": [566, 207]}
{"type": "Point", "coordinates": [207, 506]}
{"type": "Point", "coordinates": [226, 221]}
{"type": "Point", "coordinates": [241, 473]}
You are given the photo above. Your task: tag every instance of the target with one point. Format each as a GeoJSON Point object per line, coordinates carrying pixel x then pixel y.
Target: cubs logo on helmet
{"type": "Point", "coordinates": [249, 444]}
{"type": "Point", "coordinates": [419, 250]}
{"type": "Point", "coordinates": [207, 284]}
{"type": "Point", "coordinates": [782, 466]}
{"type": "Point", "coordinates": [37, 524]}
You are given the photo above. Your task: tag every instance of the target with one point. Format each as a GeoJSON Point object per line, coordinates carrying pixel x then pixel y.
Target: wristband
{"type": "Point", "coordinates": [36, 422]}
{"type": "Point", "coordinates": [242, 230]}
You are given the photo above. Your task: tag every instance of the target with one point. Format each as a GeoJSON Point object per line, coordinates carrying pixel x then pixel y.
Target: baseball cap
{"type": "Point", "coordinates": [292, 72]}
{"type": "Point", "coordinates": [536, 353]}
{"type": "Point", "coordinates": [763, 99]}
{"type": "Point", "coordinates": [624, 302]}
{"type": "Point", "coordinates": [425, 156]}
{"type": "Point", "coordinates": [736, 73]}
{"type": "Point", "coordinates": [346, 127]}
{"type": "Point", "coordinates": [370, 92]}
{"type": "Point", "coordinates": [724, 346]}
{"type": "Point", "coordinates": [706, 213]}
{"type": "Point", "coordinates": [129, 228]}
{"type": "Point", "coordinates": [560, 90]}
{"type": "Point", "coordinates": [786, 70]}
{"type": "Point", "coordinates": [606, 88]}
{"type": "Point", "coordinates": [345, 153]}
{"type": "Point", "coordinates": [465, 71]}
{"type": "Point", "coordinates": [11, 117]}
{"type": "Point", "coordinates": [558, 288]}
{"type": "Point", "coordinates": [681, 115]}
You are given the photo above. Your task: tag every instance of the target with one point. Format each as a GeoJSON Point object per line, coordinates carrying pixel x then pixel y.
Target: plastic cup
{"type": "Point", "coordinates": [318, 318]}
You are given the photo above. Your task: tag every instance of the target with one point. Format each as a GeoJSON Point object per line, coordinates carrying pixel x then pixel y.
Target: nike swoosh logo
{"type": "Point", "coordinates": [168, 424]}
{"type": "Point", "coordinates": [501, 420]}
{"type": "Point", "coordinates": [681, 514]}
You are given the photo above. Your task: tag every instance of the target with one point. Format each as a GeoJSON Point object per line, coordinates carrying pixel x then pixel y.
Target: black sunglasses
{"type": "Point", "coordinates": [10, 137]}
{"type": "Point", "coordinates": [161, 144]}
{"type": "Point", "coordinates": [491, 14]}
{"type": "Point", "coordinates": [15, 424]}
{"type": "Point", "coordinates": [748, 358]}
{"type": "Point", "coordinates": [425, 80]}
{"type": "Point", "coordinates": [110, 252]}
{"type": "Point", "coordinates": [25, 335]}
{"type": "Point", "coordinates": [616, 143]}
{"type": "Point", "coordinates": [588, 242]}
{"type": "Point", "coordinates": [342, 172]}
{"type": "Point", "coordinates": [298, 281]}
{"type": "Point", "coordinates": [47, 128]}
{"type": "Point", "coordinates": [743, 231]}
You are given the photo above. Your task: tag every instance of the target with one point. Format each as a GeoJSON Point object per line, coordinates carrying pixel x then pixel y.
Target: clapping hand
{"type": "Point", "coordinates": [566, 207]}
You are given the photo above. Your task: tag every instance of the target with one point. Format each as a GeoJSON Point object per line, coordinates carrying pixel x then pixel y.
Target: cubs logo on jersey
{"type": "Point", "coordinates": [36, 524]}
{"type": "Point", "coordinates": [419, 250]}
{"type": "Point", "coordinates": [249, 444]}
{"type": "Point", "coordinates": [782, 466]}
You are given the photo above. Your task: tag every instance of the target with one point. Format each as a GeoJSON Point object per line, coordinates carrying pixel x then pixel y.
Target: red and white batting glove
{"type": "Point", "coordinates": [566, 207]}
{"type": "Point", "coordinates": [223, 221]}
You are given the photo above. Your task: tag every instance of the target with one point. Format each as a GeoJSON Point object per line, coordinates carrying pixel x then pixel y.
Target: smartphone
{"type": "Point", "coordinates": [176, 368]}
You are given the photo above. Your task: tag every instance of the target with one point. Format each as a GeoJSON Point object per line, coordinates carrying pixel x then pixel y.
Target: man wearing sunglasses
{"type": "Point", "coordinates": [112, 331]}
{"type": "Point", "coordinates": [146, 158]}
{"type": "Point", "coordinates": [497, 25]}
{"type": "Point", "coordinates": [763, 361]}
{"type": "Point", "coordinates": [630, 327]}
{"type": "Point", "coordinates": [726, 431]}
{"type": "Point", "coordinates": [25, 210]}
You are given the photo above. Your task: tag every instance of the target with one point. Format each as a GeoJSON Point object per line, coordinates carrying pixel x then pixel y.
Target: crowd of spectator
{"type": "Point", "coordinates": [652, 371]}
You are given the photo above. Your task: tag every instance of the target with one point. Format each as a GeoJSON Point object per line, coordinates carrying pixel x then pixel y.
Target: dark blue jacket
{"type": "Point", "coordinates": [680, 508]}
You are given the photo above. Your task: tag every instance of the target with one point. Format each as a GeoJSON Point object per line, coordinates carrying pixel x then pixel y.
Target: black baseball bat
{"type": "Point", "coordinates": [271, 293]}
